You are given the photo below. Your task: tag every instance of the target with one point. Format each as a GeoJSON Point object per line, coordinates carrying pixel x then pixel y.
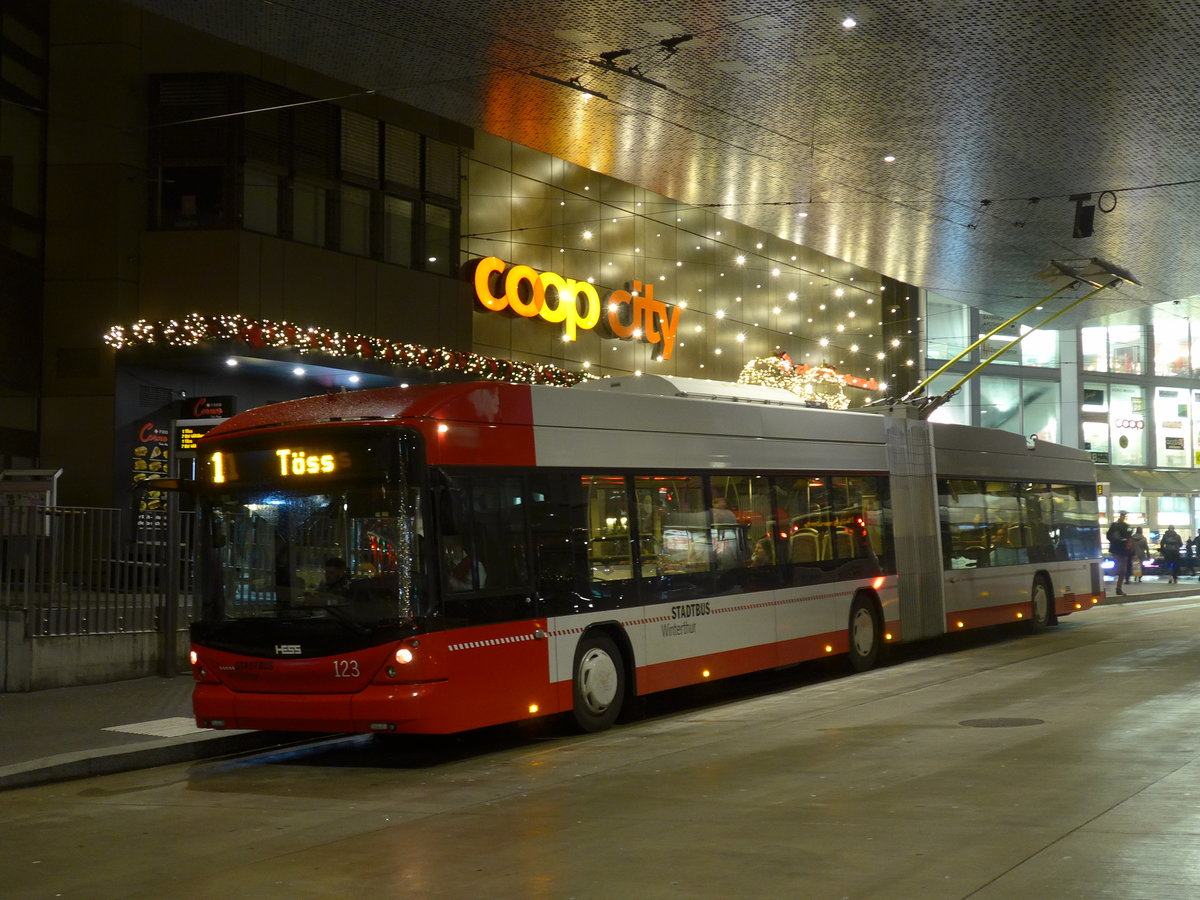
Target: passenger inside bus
{"type": "Point", "coordinates": [337, 577]}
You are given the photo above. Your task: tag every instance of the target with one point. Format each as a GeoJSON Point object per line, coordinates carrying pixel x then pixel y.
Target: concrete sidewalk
{"type": "Point", "coordinates": [98, 729]}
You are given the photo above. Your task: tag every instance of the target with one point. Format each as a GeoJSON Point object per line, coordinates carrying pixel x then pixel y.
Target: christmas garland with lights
{"type": "Point", "coordinates": [816, 384]}
{"type": "Point", "coordinates": [196, 329]}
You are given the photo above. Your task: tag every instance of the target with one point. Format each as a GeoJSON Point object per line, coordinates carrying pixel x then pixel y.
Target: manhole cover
{"type": "Point", "coordinates": [1000, 723]}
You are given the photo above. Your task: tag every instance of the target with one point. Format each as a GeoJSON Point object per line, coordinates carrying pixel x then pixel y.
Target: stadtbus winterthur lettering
{"type": "Point", "coordinates": [576, 304]}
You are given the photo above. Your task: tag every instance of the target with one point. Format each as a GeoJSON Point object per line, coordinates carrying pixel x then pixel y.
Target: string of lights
{"type": "Point", "coordinates": [196, 329]}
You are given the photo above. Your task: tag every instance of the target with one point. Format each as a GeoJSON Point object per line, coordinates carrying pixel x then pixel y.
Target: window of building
{"type": "Point", "coordinates": [1172, 352]}
{"type": "Point", "coordinates": [1127, 423]}
{"type": "Point", "coordinates": [1173, 427]}
{"type": "Point", "coordinates": [1094, 410]}
{"type": "Point", "coordinates": [312, 173]}
{"type": "Point", "coordinates": [439, 239]}
{"type": "Point", "coordinates": [260, 198]}
{"type": "Point", "coordinates": [355, 220]}
{"type": "Point", "coordinates": [958, 409]}
{"type": "Point", "coordinates": [401, 157]}
{"type": "Point", "coordinates": [1125, 354]}
{"type": "Point", "coordinates": [1021, 405]}
{"type": "Point", "coordinates": [398, 230]}
{"type": "Point", "coordinates": [1113, 348]}
{"type": "Point", "coordinates": [192, 196]}
{"type": "Point", "coordinates": [947, 327]}
{"type": "Point", "coordinates": [308, 211]}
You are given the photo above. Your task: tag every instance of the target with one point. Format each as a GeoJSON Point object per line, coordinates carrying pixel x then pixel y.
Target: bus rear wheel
{"type": "Point", "coordinates": [599, 682]}
{"type": "Point", "coordinates": [1041, 601]}
{"type": "Point", "coordinates": [866, 634]}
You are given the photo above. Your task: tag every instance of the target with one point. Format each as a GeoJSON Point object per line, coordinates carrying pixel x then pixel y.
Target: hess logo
{"type": "Point", "coordinates": [526, 292]}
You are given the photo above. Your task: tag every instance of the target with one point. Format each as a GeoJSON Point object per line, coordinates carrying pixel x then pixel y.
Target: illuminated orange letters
{"type": "Point", "coordinates": [648, 315]}
{"type": "Point", "coordinates": [529, 293]}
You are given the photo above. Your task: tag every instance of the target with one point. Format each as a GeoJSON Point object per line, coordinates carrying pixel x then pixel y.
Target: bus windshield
{"type": "Point", "coordinates": [345, 549]}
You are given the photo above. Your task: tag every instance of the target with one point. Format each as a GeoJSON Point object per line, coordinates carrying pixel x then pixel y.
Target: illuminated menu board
{"type": "Point", "coordinates": [186, 436]}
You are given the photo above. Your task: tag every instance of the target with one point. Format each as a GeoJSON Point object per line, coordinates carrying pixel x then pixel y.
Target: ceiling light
{"type": "Point", "coordinates": [231, 362]}
{"type": "Point", "coordinates": [848, 22]}
{"type": "Point", "coordinates": [354, 379]}
{"type": "Point", "coordinates": [889, 158]}
{"type": "Point", "coordinates": [720, 314]}
{"type": "Point", "coordinates": [741, 260]}
{"type": "Point", "coordinates": [824, 342]}
{"type": "Point", "coordinates": [741, 338]}
{"type": "Point", "coordinates": [587, 235]}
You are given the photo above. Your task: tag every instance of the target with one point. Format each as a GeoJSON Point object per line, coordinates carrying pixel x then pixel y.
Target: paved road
{"type": "Point", "coordinates": [1063, 764]}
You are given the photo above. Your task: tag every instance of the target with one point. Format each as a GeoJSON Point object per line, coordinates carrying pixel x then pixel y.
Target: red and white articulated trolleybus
{"type": "Point", "coordinates": [443, 557]}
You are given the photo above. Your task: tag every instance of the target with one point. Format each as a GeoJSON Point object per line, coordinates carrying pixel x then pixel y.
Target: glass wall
{"type": "Point", "coordinates": [1022, 405]}
{"type": "Point", "coordinates": [1173, 428]}
{"type": "Point", "coordinates": [1114, 348]}
{"type": "Point", "coordinates": [1172, 349]}
{"type": "Point", "coordinates": [313, 173]}
{"type": "Point", "coordinates": [1127, 418]}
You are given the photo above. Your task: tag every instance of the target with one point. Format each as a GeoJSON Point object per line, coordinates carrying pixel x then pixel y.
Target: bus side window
{"type": "Point", "coordinates": [558, 518]}
{"type": "Point", "coordinates": [498, 532]}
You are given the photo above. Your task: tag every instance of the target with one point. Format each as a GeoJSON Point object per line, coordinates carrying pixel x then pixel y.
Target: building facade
{"type": "Point", "coordinates": [243, 231]}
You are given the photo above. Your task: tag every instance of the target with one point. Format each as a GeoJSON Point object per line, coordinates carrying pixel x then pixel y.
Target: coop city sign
{"type": "Point", "coordinates": [525, 292]}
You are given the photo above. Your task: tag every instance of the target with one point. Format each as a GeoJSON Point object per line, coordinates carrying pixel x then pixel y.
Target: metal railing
{"type": "Point", "coordinates": [77, 570]}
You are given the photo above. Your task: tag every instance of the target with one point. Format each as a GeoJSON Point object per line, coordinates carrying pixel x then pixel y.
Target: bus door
{"type": "Point", "coordinates": [497, 651]}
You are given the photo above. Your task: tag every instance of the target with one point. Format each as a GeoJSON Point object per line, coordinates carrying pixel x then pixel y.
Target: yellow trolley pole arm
{"type": "Point", "coordinates": [935, 402]}
{"type": "Point", "coordinates": [916, 392]}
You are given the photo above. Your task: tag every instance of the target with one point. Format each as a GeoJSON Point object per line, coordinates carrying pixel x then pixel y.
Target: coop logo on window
{"type": "Point", "coordinates": [525, 292]}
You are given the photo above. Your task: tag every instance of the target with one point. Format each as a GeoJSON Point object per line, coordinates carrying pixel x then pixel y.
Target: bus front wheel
{"type": "Point", "coordinates": [1041, 599]}
{"type": "Point", "coordinates": [866, 634]}
{"type": "Point", "coordinates": [599, 682]}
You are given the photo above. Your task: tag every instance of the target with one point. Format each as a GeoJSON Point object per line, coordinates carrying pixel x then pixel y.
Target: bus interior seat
{"type": "Point", "coordinates": [803, 548]}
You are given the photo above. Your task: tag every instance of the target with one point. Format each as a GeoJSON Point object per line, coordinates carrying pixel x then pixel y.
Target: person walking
{"type": "Point", "coordinates": [1120, 547]}
{"type": "Point", "coordinates": [1141, 552]}
{"type": "Point", "coordinates": [1169, 546]}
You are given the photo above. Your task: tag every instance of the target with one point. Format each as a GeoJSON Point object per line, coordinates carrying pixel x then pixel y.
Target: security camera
{"type": "Point", "coordinates": [1031, 442]}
